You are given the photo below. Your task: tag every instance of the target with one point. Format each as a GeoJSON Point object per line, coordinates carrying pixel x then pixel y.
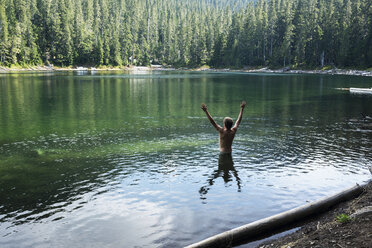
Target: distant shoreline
{"type": "Point", "coordinates": [350, 72]}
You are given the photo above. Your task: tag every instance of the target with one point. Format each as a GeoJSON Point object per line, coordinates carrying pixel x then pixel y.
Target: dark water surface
{"type": "Point", "coordinates": [120, 160]}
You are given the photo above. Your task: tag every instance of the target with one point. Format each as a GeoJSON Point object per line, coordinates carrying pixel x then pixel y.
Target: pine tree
{"type": "Point", "coordinates": [345, 22]}
{"type": "Point", "coordinates": [287, 32]}
{"type": "Point", "coordinates": [4, 34]}
{"type": "Point", "coordinates": [247, 41]}
{"type": "Point", "coordinates": [356, 55]}
{"type": "Point", "coordinates": [272, 22]}
{"type": "Point", "coordinates": [186, 33]}
{"type": "Point", "coordinates": [115, 43]}
{"type": "Point", "coordinates": [368, 47]}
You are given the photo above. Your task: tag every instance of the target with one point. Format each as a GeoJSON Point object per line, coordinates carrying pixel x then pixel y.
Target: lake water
{"type": "Point", "coordinates": [130, 160]}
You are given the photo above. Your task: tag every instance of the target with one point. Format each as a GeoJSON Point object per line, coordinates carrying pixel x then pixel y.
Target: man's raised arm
{"type": "Point", "coordinates": [242, 106]}
{"type": "Point", "coordinates": [205, 109]}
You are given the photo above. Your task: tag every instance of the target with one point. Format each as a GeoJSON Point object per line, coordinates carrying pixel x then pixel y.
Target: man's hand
{"type": "Point", "coordinates": [204, 107]}
{"type": "Point", "coordinates": [243, 104]}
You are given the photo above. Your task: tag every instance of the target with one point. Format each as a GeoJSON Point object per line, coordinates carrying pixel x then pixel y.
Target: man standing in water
{"type": "Point", "coordinates": [227, 133]}
{"type": "Point", "coordinates": [225, 162]}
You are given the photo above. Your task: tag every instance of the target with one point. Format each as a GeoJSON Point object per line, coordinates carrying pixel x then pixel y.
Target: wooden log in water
{"type": "Point", "coordinates": [361, 90]}
{"type": "Point", "coordinates": [268, 225]}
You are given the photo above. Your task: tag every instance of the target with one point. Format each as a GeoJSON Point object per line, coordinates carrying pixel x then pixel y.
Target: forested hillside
{"type": "Point", "coordinates": [219, 33]}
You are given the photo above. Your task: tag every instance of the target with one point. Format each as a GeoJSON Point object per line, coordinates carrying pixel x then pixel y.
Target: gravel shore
{"type": "Point", "coordinates": [330, 230]}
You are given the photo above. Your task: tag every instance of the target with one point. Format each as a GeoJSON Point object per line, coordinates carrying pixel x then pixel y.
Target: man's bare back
{"type": "Point", "coordinates": [227, 133]}
{"type": "Point", "coordinates": [226, 139]}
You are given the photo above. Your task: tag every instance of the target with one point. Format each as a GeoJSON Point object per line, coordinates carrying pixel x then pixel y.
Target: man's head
{"type": "Point", "coordinates": [228, 122]}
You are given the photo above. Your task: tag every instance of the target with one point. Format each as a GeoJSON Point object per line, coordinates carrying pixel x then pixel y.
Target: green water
{"type": "Point", "coordinates": [116, 159]}
{"type": "Point", "coordinates": [67, 104]}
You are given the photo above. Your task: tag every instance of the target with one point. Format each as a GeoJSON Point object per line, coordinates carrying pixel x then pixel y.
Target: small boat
{"type": "Point", "coordinates": [361, 90]}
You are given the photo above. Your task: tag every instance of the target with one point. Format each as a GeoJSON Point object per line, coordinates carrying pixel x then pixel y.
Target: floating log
{"type": "Point", "coordinates": [361, 90]}
{"type": "Point", "coordinates": [348, 89]}
{"type": "Point", "coordinates": [268, 225]}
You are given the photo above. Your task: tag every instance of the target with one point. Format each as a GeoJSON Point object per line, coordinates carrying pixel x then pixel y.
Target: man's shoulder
{"type": "Point", "coordinates": [230, 131]}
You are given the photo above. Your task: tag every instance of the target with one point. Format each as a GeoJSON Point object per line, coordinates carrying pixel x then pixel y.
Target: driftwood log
{"type": "Point", "coordinates": [268, 225]}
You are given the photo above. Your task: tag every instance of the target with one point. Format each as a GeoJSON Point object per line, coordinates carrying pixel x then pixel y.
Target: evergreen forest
{"type": "Point", "coordinates": [217, 33]}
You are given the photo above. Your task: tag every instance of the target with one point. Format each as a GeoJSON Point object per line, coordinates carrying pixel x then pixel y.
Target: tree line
{"type": "Point", "coordinates": [218, 33]}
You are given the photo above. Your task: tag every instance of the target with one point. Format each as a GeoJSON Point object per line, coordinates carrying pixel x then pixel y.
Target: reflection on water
{"type": "Point", "coordinates": [113, 160]}
{"type": "Point", "coordinates": [225, 167]}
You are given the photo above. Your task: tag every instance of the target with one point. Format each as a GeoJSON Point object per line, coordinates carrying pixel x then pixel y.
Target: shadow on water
{"type": "Point", "coordinates": [225, 166]}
